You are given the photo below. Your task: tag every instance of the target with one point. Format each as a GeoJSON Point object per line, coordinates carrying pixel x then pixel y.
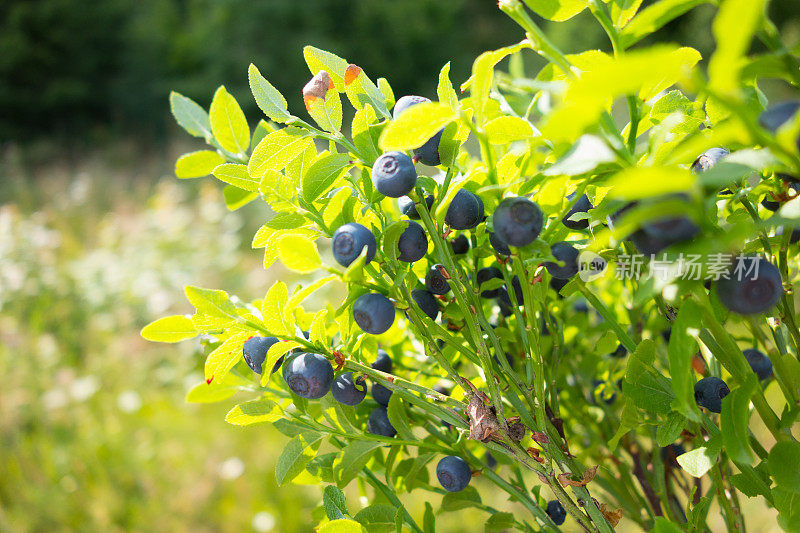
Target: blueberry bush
{"type": "Point", "coordinates": [574, 283]}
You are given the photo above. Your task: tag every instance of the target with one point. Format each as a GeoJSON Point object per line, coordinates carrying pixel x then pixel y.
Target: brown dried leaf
{"type": "Point", "coordinates": [483, 423]}
{"type": "Point", "coordinates": [588, 475]}
{"type": "Point", "coordinates": [612, 515]}
{"type": "Point", "coordinates": [540, 437]}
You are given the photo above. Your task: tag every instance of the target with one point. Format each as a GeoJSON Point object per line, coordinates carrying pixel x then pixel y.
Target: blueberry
{"type": "Point", "coordinates": [465, 211]}
{"type": "Point", "coordinates": [777, 114]}
{"type": "Point", "coordinates": [581, 307]}
{"type": "Point", "coordinates": [709, 392]}
{"type": "Point", "coordinates": [383, 362]}
{"type": "Point", "coordinates": [654, 237]}
{"type": "Point", "coordinates": [708, 159]}
{"type": "Point", "coordinates": [556, 512]}
{"type": "Point", "coordinates": [426, 302]}
{"type": "Point", "coordinates": [485, 274]}
{"type": "Point", "coordinates": [441, 389]}
{"type": "Point", "coordinates": [793, 238]}
{"type": "Point", "coordinates": [428, 153]}
{"type": "Point", "coordinates": [759, 362]}
{"type": "Point", "coordinates": [309, 375]}
{"type": "Point", "coordinates": [581, 206]}
{"type": "Point", "coordinates": [435, 280]}
{"type": "Point", "coordinates": [498, 245]}
{"type": "Point", "coordinates": [602, 392]}
{"type": "Point", "coordinates": [374, 313]}
{"type": "Point", "coordinates": [408, 208]}
{"type": "Point", "coordinates": [670, 454]}
{"type": "Point", "coordinates": [381, 394]}
{"type": "Point", "coordinates": [517, 286]}
{"type": "Point", "coordinates": [558, 284]}
{"type": "Point", "coordinates": [453, 473]}
{"type": "Point", "coordinates": [348, 391]}
{"type": "Point", "coordinates": [378, 423]}
{"type": "Point", "coordinates": [758, 290]}
{"type": "Point", "coordinates": [504, 302]}
{"type": "Point", "coordinates": [564, 253]}
{"type": "Point", "coordinates": [255, 351]}
{"type": "Point", "coordinates": [413, 243]}
{"type": "Point", "coordinates": [620, 352]}
{"type": "Point", "coordinates": [393, 174]}
{"type": "Point", "coordinates": [460, 245]}
{"type": "Point", "coordinates": [348, 242]}
{"type": "Point", "coordinates": [509, 358]}
{"type": "Point", "coordinates": [518, 221]}
{"type": "Point", "coordinates": [491, 462]}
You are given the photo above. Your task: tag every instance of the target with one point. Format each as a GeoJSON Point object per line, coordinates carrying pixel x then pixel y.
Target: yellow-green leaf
{"type": "Point", "coordinates": [236, 175]}
{"type": "Point", "coordinates": [323, 102]}
{"type": "Point", "coordinates": [345, 525]}
{"type": "Point", "coordinates": [733, 28]}
{"type": "Point", "coordinates": [275, 352]}
{"type": "Point", "coordinates": [318, 59]}
{"type": "Point", "coordinates": [222, 359]}
{"type": "Point", "coordinates": [190, 116]}
{"type": "Point", "coordinates": [416, 125]}
{"type": "Point", "coordinates": [276, 150]}
{"type": "Point", "coordinates": [254, 412]}
{"type": "Point", "coordinates": [506, 129]}
{"type": "Point", "coordinates": [299, 253]}
{"type": "Point", "coordinates": [447, 95]}
{"type": "Point", "coordinates": [197, 164]}
{"type": "Point", "coordinates": [298, 297]}
{"type": "Point", "coordinates": [323, 174]}
{"type": "Point", "coordinates": [169, 329]}
{"type": "Point", "coordinates": [361, 90]}
{"type": "Point", "coordinates": [558, 10]}
{"type": "Point", "coordinates": [268, 98]}
{"type": "Point", "coordinates": [228, 122]}
{"type": "Point", "coordinates": [643, 182]}
{"type": "Point", "coordinates": [275, 311]}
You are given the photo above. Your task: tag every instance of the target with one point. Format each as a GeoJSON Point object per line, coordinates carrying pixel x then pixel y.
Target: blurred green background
{"type": "Point", "coordinates": [97, 238]}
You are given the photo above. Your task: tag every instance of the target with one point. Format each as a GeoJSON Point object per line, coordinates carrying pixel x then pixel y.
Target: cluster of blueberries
{"type": "Point", "coordinates": [517, 222]}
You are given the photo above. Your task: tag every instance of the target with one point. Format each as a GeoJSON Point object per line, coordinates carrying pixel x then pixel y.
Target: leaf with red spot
{"type": "Point", "coordinates": [361, 90]}
{"type": "Point", "coordinates": [323, 102]}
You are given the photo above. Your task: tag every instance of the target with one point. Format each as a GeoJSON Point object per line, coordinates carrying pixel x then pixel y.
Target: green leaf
{"type": "Point", "coordinates": [341, 526]}
{"type": "Point", "coordinates": [335, 503]}
{"type": "Point", "coordinates": [654, 17]}
{"type": "Point", "coordinates": [499, 522]}
{"type": "Point", "coordinates": [228, 122]}
{"type": "Point", "coordinates": [275, 352]}
{"type": "Point", "coordinates": [663, 525]}
{"type": "Point", "coordinates": [734, 422]}
{"type": "Point", "coordinates": [377, 518]}
{"type": "Point", "coordinates": [197, 164]}
{"type": "Point", "coordinates": [300, 295]}
{"type": "Point", "coordinates": [173, 328]}
{"type": "Point", "coordinates": [294, 458]}
{"type": "Point", "coordinates": [733, 29]}
{"type": "Point", "coordinates": [277, 149]}
{"type": "Point", "coordinates": [623, 10]}
{"type": "Point", "coordinates": [216, 391]}
{"type": "Point", "coordinates": [190, 116]}
{"type": "Point", "coordinates": [738, 165]}
{"type": "Point", "coordinates": [447, 95]}
{"type": "Point", "coordinates": [788, 505]}
{"type": "Point", "coordinates": [587, 154]}
{"type": "Point", "coordinates": [391, 236]}
{"type": "Point", "coordinates": [335, 66]}
{"type": "Point", "coordinates": [670, 429]}
{"type": "Point", "coordinates": [644, 384]}
{"type": "Point", "coordinates": [221, 360]}
{"type": "Point", "coordinates": [698, 461]}
{"type": "Point", "coordinates": [558, 10]}
{"type": "Point", "coordinates": [455, 501]}
{"type": "Point", "coordinates": [415, 126]}
{"type": "Point", "coordinates": [387, 92]}
{"type": "Point", "coordinates": [428, 519]}
{"type": "Point", "coordinates": [323, 174]}
{"type": "Point", "coordinates": [236, 197]}
{"type": "Point", "coordinates": [507, 129]}
{"type": "Point", "coordinates": [480, 83]}
{"type": "Point", "coordinates": [210, 302]}
{"type": "Point", "coordinates": [275, 311]}
{"type": "Point", "coordinates": [237, 176]}
{"type": "Point", "coordinates": [682, 347]}
{"type": "Point", "coordinates": [629, 419]}
{"type": "Point", "coordinates": [399, 418]}
{"type": "Point", "coordinates": [361, 91]}
{"type": "Point", "coordinates": [782, 461]}
{"type": "Point", "coordinates": [254, 412]}
{"type": "Point", "coordinates": [323, 102]}
{"type": "Point", "coordinates": [268, 98]}
{"type": "Point", "coordinates": [362, 134]}
{"type": "Point", "coordinates": [355, 457]}
{"type": "Point", "coordinates": [634, 183]}
{"type": "Point", "coordinates": [299, 253]}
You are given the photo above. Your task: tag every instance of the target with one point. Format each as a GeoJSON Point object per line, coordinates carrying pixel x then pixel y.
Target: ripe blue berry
{"type": "Point", "coordinates": [309, 375]}
{"type": "Point", "coordinates": [758, 290]}
{"type": "Point", "coordinates": [566, 254]}
{"type": "Point", "coordinates": [581, 206]}
{"type": "Point", "coordinates": [485, 274]}
{"type": "Point", "coordinates": [374, 313]}
{"type": "Point", "coordinates": [556, 512]}
{"type": "Point", "coordinates": [460, 245]}
{"type": "Point", "coordinates": [654, 237]}
{"type": "Point", "coordinates": [453, 473]}
{"type": "Point", "coordinates": [465, 211]}
{"type": "Point", "coordinates": [348, 242]}
{"type": "Point", "coordinates": [708, 159]}
{"type": "Point", "coordinates": [408, 208]}
{"type": "Point", "coordinates": [504, 302]}
{"type": "Point", "coordinates": [255, 351]}
{"type": "Point", "coordinates": [498, 245]}
{"type": "Point", "coordinates": [381, 394]}
{"type": "Point", "coordinates": [793, 238]}
{"type": "Point", "coordinates": [558, 284]}
{"type": "Point", "coordinates": [491, 462]}
{"type": "Point", "coordinates": [383, 362]}
{"type": "Point", "coordinates": [394, 175]}
{"type": "Point", "coordinates": [348, 391]}
{"type": "Point", "coordinates": [435, 280]}
{"type": "Point", "coordinates": [777, 114]}
{"type": "Point", "coordinates": [428, 153]}
{"type": "Point", "coordinates": [759, 362]}
{"type": "Point", "coordinates": [620, 352]}
{"type": "Point", "coordinates": [709, 392]}
{"type": "Point", "coordinates": [518, 221]}
{"type": "Point", "coordinates": [426, 302]}
{"type": "Point", "coordinates": [412, 244]}
{"type": "Point", "coordinates": [378, 423]}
